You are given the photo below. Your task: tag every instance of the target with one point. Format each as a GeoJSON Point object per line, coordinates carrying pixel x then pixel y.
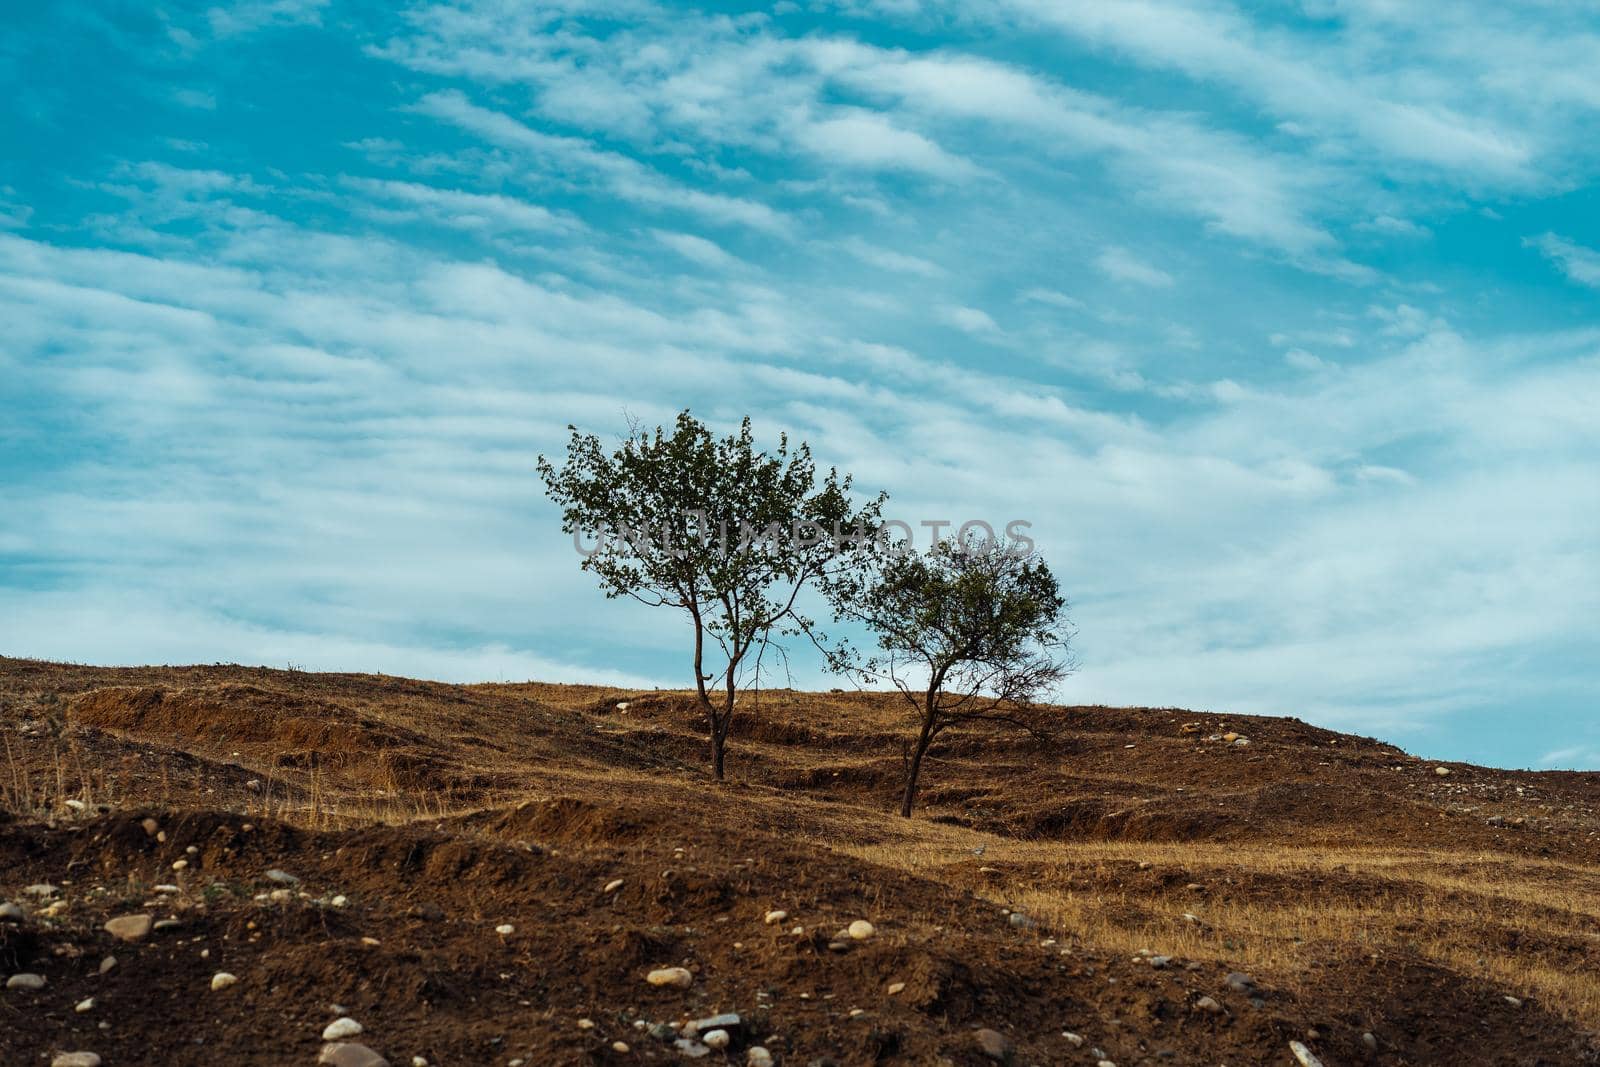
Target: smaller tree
{"type": "Point", "coordinates": [969, 631]}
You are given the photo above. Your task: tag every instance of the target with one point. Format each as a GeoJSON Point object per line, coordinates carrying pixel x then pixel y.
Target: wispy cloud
{"type": "Point", "coordinates": [1577, 262]}
{"type": "Point", "coordinates": [1120, 265]}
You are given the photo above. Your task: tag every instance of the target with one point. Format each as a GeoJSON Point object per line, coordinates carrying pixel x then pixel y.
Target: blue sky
{"type": "Point", "coordinates": [1282, 328]}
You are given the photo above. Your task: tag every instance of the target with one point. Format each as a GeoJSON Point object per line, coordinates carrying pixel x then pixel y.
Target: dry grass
{"type": "Point", "coordinates": [1522, 925]}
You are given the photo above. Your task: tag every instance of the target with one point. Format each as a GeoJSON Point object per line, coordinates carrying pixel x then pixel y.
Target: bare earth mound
{"type": "Point", "coordinates": [482, 875]}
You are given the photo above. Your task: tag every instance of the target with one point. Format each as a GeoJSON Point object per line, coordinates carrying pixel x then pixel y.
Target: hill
{"type": "Point", "coordinates": [486, 874]}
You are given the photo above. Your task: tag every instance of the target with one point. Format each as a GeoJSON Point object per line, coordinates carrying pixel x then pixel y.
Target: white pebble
{"type": "Point", "coordinates": [675, 977]}
{"type": "Point", "coordinates": [613, 885]}
{"type": "Point", "coordinates": [505, 929]}
{"type": "Point", "coordinates": [861, 930]}
{"type": "Point", "coordinates": [715, 1039]}
{"type": "Point", "coordinates": [340, 1029]}
{"type": "Point", "coordinates": [758, 1057]}
{"type": "Point", "coordinates": [775, 917]}
{"type": "Point", "coordinates": [86, 1004]}
{"type": "Point", "coordinates": [222, 980]}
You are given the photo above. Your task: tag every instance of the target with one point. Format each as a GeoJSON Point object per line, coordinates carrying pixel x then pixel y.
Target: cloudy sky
{"type": "Point", "coordinates": [1282, 329]}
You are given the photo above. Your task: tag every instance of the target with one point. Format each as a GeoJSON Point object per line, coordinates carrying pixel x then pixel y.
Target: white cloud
{"type": "Point", "coordinates": [1120, 265]}
{"type": "Point", "coordinates": [1577, 262]}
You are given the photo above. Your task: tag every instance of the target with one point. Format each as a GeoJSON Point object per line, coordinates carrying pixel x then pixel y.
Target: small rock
{"type": "Point", "coordinates": [1240, 982]}
{"type": "Point", "coordinates": [151, 827]}
{"type": "Point", "coordinates": [620, 1046]}
{"type": "Point", "coordinates": [692, 1049]}
{"type": "Point", "coordinates": [775, 917]}
{"type": "Point", "coordinates": [758, 1056]}
{"type": "Point", "coordinates": [222, 980]}
{"type": "Point", "coordinates": [862, 930]}
{"type": "Point", "coordinates": [12, 913]}
{"type": "Point", "coordinates": [717, 1039]}
{"type": "Point", "coordinates": [1160, 962]}
{"type": "Point", "coordinates": [1230, 737]}
{"type": "Point", "coordinates": [724, 1021]}
{"type": "Point", "coordinates": [108, 964]}
{"type": "Point", "coordinates": [1075, 1040]}
{"type": "Point", "coordinates": [25, 981]}
{"type": "Point", "coordinates": [41, 889]}
{"type": "Point", "coordinates": [613, 885]}
{"type": "Point", "coordinates": [896, 988]}
{"type": "Point", "coordinates": [86, 1004]}
{"type": "Point", "coordinates": [1303, 1055]}
{"type": "Point", "coordinates": [672, 977]}
{"type": "Point", "coordinates": [1019, 920]}
{"type": "Point", "coordinates": [281, 877]}
{"type": "Point", "coordinates": [344, 1054]}
{"type": "Point", "coordinates": [1370, 1040]}
{"type": "Point", "coordinates": [1442, 772]}
{"type": "Point", "coordinates": [505, 929]}
{"type": "Point", "coordinates": [254, 785]}
{"type": "Point", "coordinates": [340, 1029]}
{"type": "Point", "coordinates": [340, 901]}
{"type": "Point", "coordinates": [76, 1059]}
{"type": "Point", "coordinates": [1514, 1002]}
{"type": "Point", "coordinates": [179, 865]}
{"type": "Point", "coordinates": [993, 1044]}
{"type": "Point", "coordinates": [76, 805]}
{"type": "Point", "coordinates": [419, 1061]}
{"type": "Point", "coordinates": [1209, 1005]}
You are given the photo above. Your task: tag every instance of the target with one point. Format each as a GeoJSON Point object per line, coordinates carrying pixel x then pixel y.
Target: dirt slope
{"type": "Point", "coordinates": [1085, 899]}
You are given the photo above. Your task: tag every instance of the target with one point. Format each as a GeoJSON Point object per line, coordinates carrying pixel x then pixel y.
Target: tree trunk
{"type": "Point", "coordinates": [914, 768]}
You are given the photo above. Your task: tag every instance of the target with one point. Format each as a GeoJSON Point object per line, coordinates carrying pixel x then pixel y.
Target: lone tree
{"type": "Point", "coordinates": [725, 533]}
{"type": "Point", "coordinates": [970, 631]}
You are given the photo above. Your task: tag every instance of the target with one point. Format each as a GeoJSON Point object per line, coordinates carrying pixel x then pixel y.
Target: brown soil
{"type": "Point", "coordinates": [1362, 892]}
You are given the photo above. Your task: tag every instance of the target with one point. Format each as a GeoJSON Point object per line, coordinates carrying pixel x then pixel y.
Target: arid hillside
{"type": "Point", "coordinates": [491, 874]}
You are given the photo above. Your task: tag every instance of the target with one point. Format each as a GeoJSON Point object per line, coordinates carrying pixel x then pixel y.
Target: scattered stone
{"type": "Point", "coordinates": [690, 1048]}
{"type": "Point", "coordinates": [151, 827]}
{"type": "Point", "coordinates": [1442, 772]}
{"type": "Point", "coordinates": [993, 1044]}
{"type": "Point", "coordinates": [222, 980]}
{"type": "Point", "coordinates": [1160, 962]}
{"type": "Point", "coordinates": [86, 1004]}
{"type": "Point", "coordinates": [620, 1046]}
{"type": "Point", "coordinates": [1230, 737]}
{"type": "Point", "coordinates": [1209, 1005]}
{"type": "Point", "coordinates": [76, 1059]}
{"type": "Point", "coordinates": [41, 889]}
{"type": "Point", "coordinates": [1195, 887]}
{"type": "Point", "coordinates": [179, 865]}
{"type": "Point", "coordinates": [12, 913]}
{"type": "Point", "coordinates": [340, 1029]}
{"type": "Point", "coordinates": [1019, 920]}
{"type": "Point", "coordinates": [613, 885]}
{"type": "Point", "coordinates": [419, 1061]}
{"type": "Point", "coordinates": [25, 981]}
{"type": "Point", "coordinates": [775, 917]}
{"type": "Point", "coordinates": [862, 930]}
{"type": "Point", "coordinates": [1240, 982]}
{"type": "Point", "coordinates": [758, 1056]}
{"type": "Point", "coordinates": [896, 988]}
{"type": "Point", "coordinates": [108, 965]}
{"type": "Point", "coordinates": [1514, 1002]}
{"type": "Point", "coordinates": [254, 785]}
{"type": "Point", "coordinates": [715, 1022]}
{"type": "Point", "coordinates": [717, 1039]}
{"type": "Point", "coordinates": [1370, 1040]}
{"type": "Point", "coordinates": [167, 924]}
{"type": "Point", "coordinates": [1303, 1055]}
{"type": "Point", "coordinates": [344, 1054]}
{"type": "Point", "coordinates": [1075, 1040]}
{"type": "Point", "coordinates": [281, 877]}
{"type": "Point", "coordinates": [505, 929]}
{"type": "Point", "coordinates": [76, 805]}
{"type": "Point", "coordinates": [1241, 741]}
{"type": "Point", "coordinates": [340, 901]}
{"type": "Point", "coordinates": [672, 977]}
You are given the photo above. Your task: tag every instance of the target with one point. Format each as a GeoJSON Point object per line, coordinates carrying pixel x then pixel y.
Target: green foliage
{"type": "Point", "coordinates": [718, 529]}
{"type": "Point", "coordinates": [967, 631]}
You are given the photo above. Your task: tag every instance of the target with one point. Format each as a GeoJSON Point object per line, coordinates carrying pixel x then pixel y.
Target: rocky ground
{"type": "Point", "coordinates": [237, 866]}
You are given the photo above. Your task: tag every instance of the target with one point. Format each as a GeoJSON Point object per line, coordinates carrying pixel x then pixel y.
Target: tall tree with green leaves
{"type": "Point", "coordinates": [970, 631]}
{"type": "Point", "coordinates": [719, 530]}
